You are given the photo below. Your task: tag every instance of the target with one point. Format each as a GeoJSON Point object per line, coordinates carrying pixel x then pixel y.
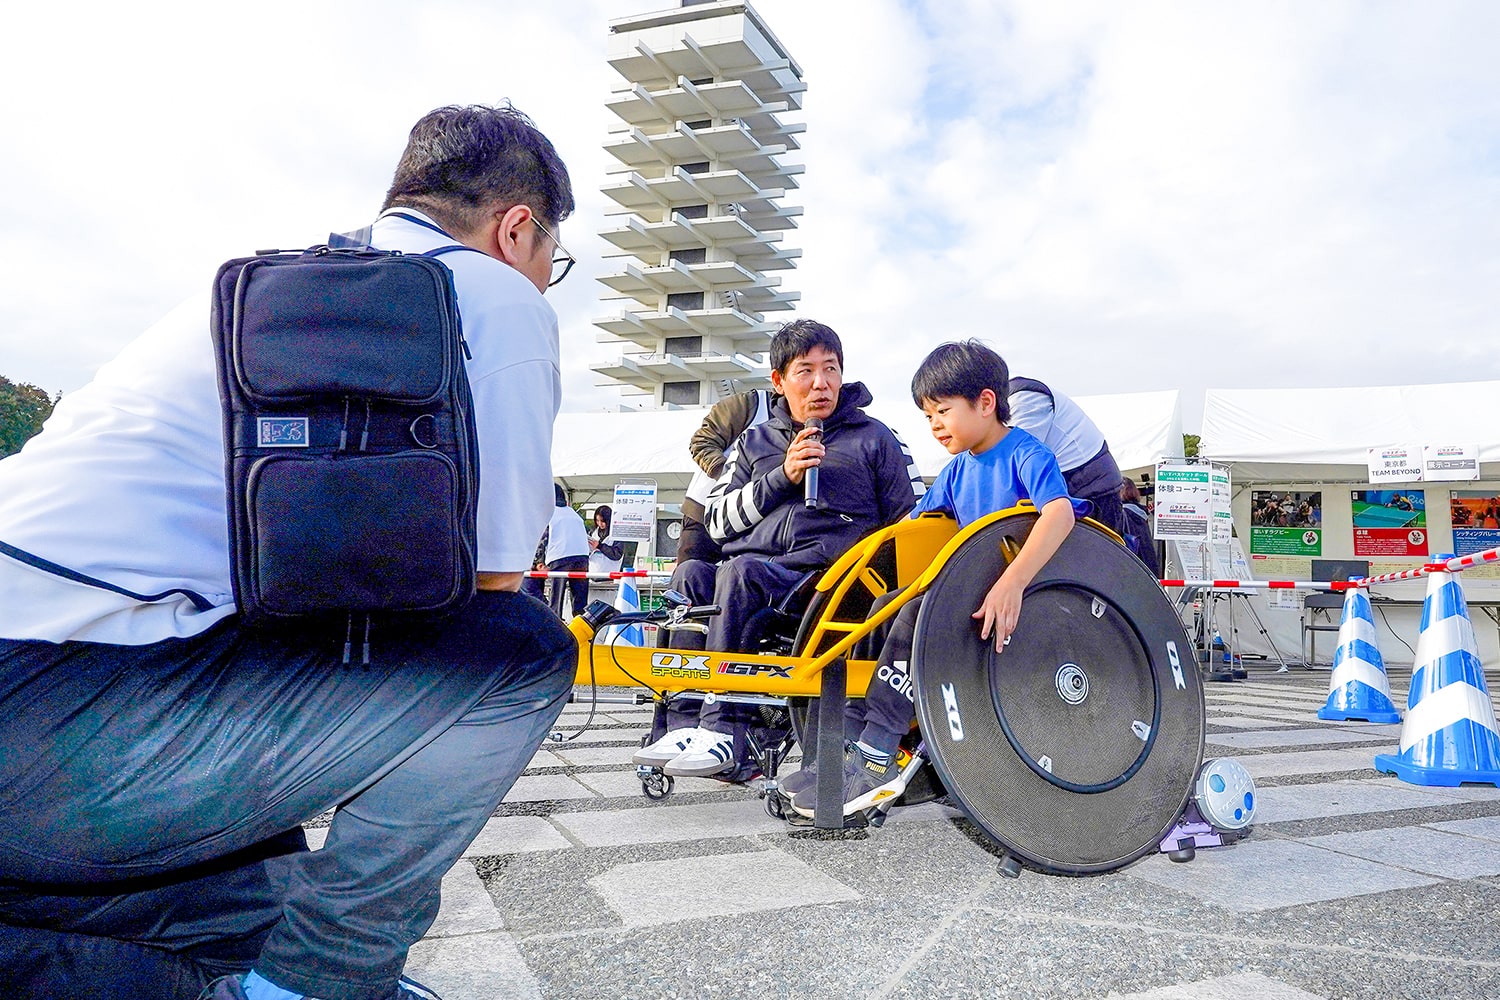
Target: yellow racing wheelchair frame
{"type": "Point", "coordinates": [909, 554]}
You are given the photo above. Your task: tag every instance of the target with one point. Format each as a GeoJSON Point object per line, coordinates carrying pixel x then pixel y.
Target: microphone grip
{"type": "Point", "coordinates": [810, 477]}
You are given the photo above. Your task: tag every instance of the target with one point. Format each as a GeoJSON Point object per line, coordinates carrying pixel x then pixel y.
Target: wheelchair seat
{"type": "Point", "coordinates": [773, 630]}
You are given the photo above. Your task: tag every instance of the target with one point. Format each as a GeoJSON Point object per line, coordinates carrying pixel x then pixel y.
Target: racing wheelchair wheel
{"type": "Point", "coordinates": [1077, 747]}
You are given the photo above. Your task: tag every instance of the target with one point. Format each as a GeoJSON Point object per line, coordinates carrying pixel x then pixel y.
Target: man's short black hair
{"type": "Point", "coordinates": [964, 368]}
{"type": "Point", "coordinates": [800, 336]}
{"type": "Point", "coordinates": [560, 499]}
{"type": "Point", "coordinates": [462, 161]}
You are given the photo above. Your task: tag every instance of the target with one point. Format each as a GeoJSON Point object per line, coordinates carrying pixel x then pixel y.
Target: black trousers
{"type": "Point", "coordinates": [887, 710]}
{"type": "Point", "coordinates": [151, 797]}
{"type": "Point", "coordinates": [740, 586]}
{"type": "Point", "coordinates": [579, 589]}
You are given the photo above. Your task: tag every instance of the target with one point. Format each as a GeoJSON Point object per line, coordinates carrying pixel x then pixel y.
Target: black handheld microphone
{"type": "Point", "coordinates": [810, 477]}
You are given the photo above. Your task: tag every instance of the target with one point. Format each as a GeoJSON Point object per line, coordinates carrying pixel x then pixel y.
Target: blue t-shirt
{"type": "Point", "coordinates": [1019, 467]}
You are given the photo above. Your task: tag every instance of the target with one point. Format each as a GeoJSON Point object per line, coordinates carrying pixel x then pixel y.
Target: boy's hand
{"type": "Point", "coordinates": [1000, 610]}
{"type": "Point", "coordinates": [805, 451]}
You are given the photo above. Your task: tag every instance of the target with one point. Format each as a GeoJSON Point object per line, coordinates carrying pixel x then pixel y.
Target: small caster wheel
{"type": "Point", "coordinates": [775, 806]}
{"type": "Point", "coordinates": [655, 785]}
{"type": "Point", "coordinates": [1186, 851]}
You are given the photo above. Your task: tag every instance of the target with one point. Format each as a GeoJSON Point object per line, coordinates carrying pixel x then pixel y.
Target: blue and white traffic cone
{"type": "Point", "coordinates": [627, 599]}
{"type": "Point", "coordinates": [1449, 736]}
{"type": "Point", "coordinates": [1358, 688]}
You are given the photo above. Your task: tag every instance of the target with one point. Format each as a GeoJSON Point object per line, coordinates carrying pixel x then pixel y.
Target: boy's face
{"type": "Point", "coordinates": [960, 425]}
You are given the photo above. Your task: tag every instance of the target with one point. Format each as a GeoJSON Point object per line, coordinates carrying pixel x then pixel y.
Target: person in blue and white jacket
{"type": "Point", "coordinates": [168, 746]}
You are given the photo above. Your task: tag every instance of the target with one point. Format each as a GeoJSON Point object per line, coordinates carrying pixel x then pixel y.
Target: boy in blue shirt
{"type": "Point", "coordinates": [962, 388]}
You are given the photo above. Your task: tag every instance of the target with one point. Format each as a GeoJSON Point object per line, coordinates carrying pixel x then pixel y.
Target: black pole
{"type": "Point", "coordinates": [829, 811]}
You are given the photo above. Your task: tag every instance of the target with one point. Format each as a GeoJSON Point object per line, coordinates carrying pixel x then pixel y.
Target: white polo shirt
{"type": "Point", "coordinates": [125, 483]}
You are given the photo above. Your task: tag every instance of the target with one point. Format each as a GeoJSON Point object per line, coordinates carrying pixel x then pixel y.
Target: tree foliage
{"type": "Point", "coordinates": [23, 408]}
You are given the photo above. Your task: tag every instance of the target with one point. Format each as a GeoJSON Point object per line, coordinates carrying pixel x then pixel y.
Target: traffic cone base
{"type": "Point", "coordinates": [1450, 736]}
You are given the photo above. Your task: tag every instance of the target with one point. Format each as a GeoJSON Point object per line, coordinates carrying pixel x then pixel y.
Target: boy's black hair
{"type": "Point", "coordinates": [800, 336]}
{"type": "Point", "coordinates": [559, 498]}
{"type": "Point", "coordinates": [964, 368]}
{"type": "Point", "coordinates": [460, 161]}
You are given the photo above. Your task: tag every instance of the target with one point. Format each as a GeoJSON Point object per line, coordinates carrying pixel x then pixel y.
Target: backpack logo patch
{"type": "Point", "coordinates": [281, 432]}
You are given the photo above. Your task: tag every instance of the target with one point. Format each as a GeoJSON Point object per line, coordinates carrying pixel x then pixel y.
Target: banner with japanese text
{"type": "Point", "coordinates": [1286, 523]}
{"type": "Point", "coordinates": [1389, 522]}
{"type": "Point", "coordinates": [1476, 521]}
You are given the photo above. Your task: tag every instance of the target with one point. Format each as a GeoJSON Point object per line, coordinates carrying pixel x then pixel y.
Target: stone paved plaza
{"type": "Point", "coordinates": [1350, 884]}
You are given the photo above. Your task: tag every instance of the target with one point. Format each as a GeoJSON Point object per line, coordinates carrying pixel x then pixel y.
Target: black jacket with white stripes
{"type": "Point", "coordinates": [867, 480]}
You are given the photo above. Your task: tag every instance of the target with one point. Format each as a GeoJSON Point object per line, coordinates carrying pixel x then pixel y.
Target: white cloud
{"type": "Point", "coordinates": [1117, 196]}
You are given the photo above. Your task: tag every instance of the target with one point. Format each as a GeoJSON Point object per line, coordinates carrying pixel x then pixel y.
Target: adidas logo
{"type": "Point", "coordinates": [896, 676]}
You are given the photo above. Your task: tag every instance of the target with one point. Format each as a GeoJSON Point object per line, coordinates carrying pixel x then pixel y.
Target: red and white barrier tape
{"type": "Point", "coordinates": [1456, 565]}
{"type": "Point", "coordinates": [1260, 584]}
{"type": "Point", "coordinates": [619, 574]}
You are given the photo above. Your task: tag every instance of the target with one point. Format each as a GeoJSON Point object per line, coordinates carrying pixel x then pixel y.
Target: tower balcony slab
{"type": "Point", "coordinates": [769, 299]}
{"type": "Point", "coordinates": [714, 40]}
{"type": "Point", "coordinates": [726, 143]}
{"type": "Point", "coordinates": [656, 111]}
{"type": "Point", "coordinates": [769, 258]}
{"type": "Point", "coordinates": [646, 284]}
{"type": "Point", "coordinates": [639, 237]}
{"type": "Point", "coordinates": [648, 327]}
{"type": "Point", "coordinates": [637, 193]}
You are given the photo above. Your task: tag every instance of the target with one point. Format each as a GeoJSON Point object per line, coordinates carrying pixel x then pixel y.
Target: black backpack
{"type": "Point", "coordinates": [350, 448]}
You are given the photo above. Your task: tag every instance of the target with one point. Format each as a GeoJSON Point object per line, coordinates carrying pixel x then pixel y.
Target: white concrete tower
{"type": "Point", "coordinates": [699, 190]}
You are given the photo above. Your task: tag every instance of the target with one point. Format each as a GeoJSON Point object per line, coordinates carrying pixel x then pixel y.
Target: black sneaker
{"type": "Point", "coordinates": [804, 777]}
{"type": "Point", "coordinates": [866, 784]}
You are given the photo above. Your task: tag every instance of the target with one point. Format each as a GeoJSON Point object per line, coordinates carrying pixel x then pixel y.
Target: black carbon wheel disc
{"type": "Point", "coordinates": [1102, 686]}
{"type": "Point", "coordinates": [1076, 748]}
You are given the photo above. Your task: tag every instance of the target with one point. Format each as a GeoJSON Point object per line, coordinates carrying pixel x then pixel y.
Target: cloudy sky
{"type": "Point", "coordinates": [1119, 197]}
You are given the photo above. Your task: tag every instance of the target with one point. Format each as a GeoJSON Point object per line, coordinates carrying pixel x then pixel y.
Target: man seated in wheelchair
{"type": "Point", "coordinates": [961, 387]}
{"type": "Point", "coordinates": [779, 525]}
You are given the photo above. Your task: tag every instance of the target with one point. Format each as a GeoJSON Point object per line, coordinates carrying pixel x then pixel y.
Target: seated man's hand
{"type": "Point", "coordinates": [805, 451]}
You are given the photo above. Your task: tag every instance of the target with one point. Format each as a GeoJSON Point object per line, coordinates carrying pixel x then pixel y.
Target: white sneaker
{"type": "Point", "coordinates": [709, 753]}
{"type": "Point", "coordinates": [669, 746]}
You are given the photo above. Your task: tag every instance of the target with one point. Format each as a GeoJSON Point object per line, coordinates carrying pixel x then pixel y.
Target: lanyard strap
{"type": "Point", "coordinates": [47, 566]}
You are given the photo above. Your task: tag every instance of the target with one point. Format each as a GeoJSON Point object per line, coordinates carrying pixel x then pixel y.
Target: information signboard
{"type": "Point", "coordinates": [634, 512]}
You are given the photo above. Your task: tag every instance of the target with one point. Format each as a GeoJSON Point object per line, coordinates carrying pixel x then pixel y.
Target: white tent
{"type": "Point", "coordinates": [1318, 440]}
{"type": "Point", "coordinates": [593, 451]}
{"type": "Point", "coordinates": [1280, 435]}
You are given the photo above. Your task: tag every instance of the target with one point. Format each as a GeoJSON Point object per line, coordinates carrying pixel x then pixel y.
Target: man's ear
{"type": "Point", "coordinates": [511, 235]}
{"type": "Point", "coordinates": [776, 382]}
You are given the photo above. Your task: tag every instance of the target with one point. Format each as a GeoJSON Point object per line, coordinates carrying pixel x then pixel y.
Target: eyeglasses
{"type": "Point", "coordinates": [562, 256]}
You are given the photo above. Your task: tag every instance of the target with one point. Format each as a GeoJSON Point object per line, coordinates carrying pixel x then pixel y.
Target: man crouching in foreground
{"type": "Point", "coordinates": [159, 758]}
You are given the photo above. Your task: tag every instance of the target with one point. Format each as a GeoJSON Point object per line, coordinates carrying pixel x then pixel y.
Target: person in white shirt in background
{"type": "Point", "coordinates": [567, 552]}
